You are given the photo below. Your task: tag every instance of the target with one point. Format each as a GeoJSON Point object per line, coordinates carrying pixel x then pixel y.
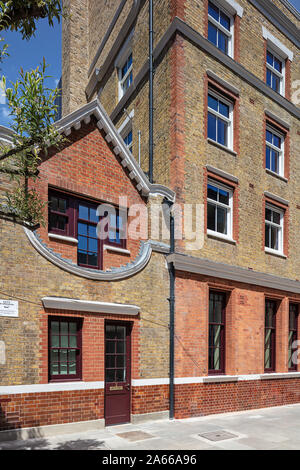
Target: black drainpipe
{"type": "Point", "coordinates": [151, 91]}
{"type": "Point", "coordinates": [172, 310]}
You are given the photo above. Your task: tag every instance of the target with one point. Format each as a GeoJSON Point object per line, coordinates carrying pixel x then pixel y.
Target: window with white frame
{"type": "Point", "coordinates": [219, 209]}
{"type": "Point", "coordinates": [274, 218]}
{"type": "Point", "coordinates": [274, 151]}
{"type": "Point", "coordinates": [220, 119]}
{"type": "Point", "coordinates": [275, 67]}
{"type": "Point", "coordinates": [220, 28]}
{"type": "Point", "coordinates": [125, 74]}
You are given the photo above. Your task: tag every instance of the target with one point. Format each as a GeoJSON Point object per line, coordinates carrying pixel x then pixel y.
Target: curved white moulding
{"type": "Point", "coordinates": [114, 274]}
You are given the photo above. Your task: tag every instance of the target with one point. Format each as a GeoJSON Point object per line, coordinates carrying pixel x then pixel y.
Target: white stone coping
{"type": "Point", "coordinates": [80, 385]}
{"type": "Point", "coordinates": [232, 6]}
{"type": "Point", "coordinates": [64, 238]}
{"type": "Point", "coordinates": [277, 45]}
{"type": "Point", "coordinates": [61, 303]}
{"type": "Point", "coordinates": [116, 249]}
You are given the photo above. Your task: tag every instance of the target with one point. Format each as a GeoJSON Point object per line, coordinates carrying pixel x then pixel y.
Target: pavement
{"type": "Point", "coordinates": [264, 429]}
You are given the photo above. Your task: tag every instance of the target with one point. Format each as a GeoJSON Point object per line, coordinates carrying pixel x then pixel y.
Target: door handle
{"type": "Point", "coordinates": [127, 386]}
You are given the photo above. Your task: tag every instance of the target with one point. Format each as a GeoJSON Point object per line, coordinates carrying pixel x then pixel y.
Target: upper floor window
{"type": "Point", "coordinates": [79, 220]}
{"type": "Point", "coordinates": [275, 72]}
{"type": "Point", "coordinates": [125, 75]}
{"type": "Point", "coordinates": [220, 119]}
{"type": "Point", "coordinates": [220, 28]}
{"type": "Point", "coordinates": [274, 151]}
{"type": "Point", "coordinates": [219, 209]}
{"type": "Point", "coordinates": [274, 218]}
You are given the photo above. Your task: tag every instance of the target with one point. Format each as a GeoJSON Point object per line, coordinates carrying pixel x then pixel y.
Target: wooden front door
{"type": "Point", "coordinates": [117, 372]}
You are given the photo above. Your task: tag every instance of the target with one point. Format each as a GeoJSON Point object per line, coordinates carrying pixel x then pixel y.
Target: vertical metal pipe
{"type": "Point", "coordinates": [172, 315]}
{"type": "Point", "coordinates": [151, 91]}
{"type": "Point", "coordinates": [139, 137]}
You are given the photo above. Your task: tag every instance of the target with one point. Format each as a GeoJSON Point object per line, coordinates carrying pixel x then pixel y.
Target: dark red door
{"type": "Point", "coordinates": [117, 373]}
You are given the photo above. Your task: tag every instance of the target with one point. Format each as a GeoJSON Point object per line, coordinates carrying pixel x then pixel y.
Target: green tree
{"type": "Point", "coordinates": [32, 108]}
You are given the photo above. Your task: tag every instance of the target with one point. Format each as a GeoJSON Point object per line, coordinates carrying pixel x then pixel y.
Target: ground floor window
{"type": "Point", "coordinates": [270, 335]}
{"type": "Point", "coordinates": [64, 348]}
{"type": "Point", "coordinates": [293, 334]}
{"type": "Point", "coordinates": [216, 348]}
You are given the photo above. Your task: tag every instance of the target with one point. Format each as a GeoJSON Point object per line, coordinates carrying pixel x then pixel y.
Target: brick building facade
{"type": "Point", "coordinates": [226, 137]}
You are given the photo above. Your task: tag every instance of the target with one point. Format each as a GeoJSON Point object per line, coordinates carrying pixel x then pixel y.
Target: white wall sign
{"type": "Point", "coordinates": [9, 308]}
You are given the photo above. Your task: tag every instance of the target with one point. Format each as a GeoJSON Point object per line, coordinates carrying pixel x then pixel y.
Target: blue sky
{"type": "Point", "coordinates": [29, 54]}
{"type": "Point", "coordinates": [296, 3]}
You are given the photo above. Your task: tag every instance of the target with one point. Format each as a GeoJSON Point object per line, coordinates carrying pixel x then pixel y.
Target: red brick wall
{"type": "Point", "coordinates": [92, 343]}
{"type": "Point", "coordinates": [42, 409]}
{"type": "Point", "coordinates": [88, 167]}
{"type": "Point", "coordinates": [204, 399]}
{"type": "Point", "coordinates": [150, 399]}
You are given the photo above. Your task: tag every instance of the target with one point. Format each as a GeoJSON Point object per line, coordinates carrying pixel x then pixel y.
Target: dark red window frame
{"type": "Point", "coordinates": [270, 335]}
{"type": "Point", "coordinates": [213, 325]}
{"type": "Point", "coordinates": [63, 348]}
{"type": "Point", "coordinates": [293, 333]}
{"type": "Point", "coordinates": [72, 216]}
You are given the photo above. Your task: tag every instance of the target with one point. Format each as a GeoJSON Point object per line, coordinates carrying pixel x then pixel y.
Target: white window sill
{"type": "Point", "coordinates": [116, 249]}
{"type": "Point", "coordinates": [282, 178]}
{"type": "Point", "coordinates": [63, 238]}
{"type": "Point", "coordinates": [223, 147]}
{"type": "Point", "coordinates": [275, 253]}
{"type": "Point", "coordinates": [220, 236]}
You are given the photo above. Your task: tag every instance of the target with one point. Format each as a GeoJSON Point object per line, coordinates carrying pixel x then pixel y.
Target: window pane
{"type": "Point", "coordinates": [54, 341]}
{"type": "Point", "coordinates": [121, 347]}
{"type": "Point", "coordinates": [275, 161]}
{"type": "Point", "coordinates": [222, 42]}
{"type": "Point", "coordinates": [277, 65]}
{"type": "Point", "coordinates": [73, 341]}
{"type": "Point", "coordinates": [224, 196]}
{"type": "Point", "coordinates": [62, 205]}
{"type": "Point", "coordinates": [269, 136]}
{"type": "Point", "coordinates": [93, 215]}
{"type": "Point", "coordinates": [54, 369]}
{"type": "Point", "coordinates": [92, 231]}
{"type": "Point", "coordinates": [268, 160]}
{"type": "Point", "coordinates": [110, 331]}
{"type": "Point", "coordinates": [269, 77]}
{"type": "Point", "coordinates": [221, 220]}
{"type": "Point", "coordinates": [92, 259]}
{"type": "Point", "coordinates": [212, 33]}
{"type": "Point", "coordinates": [120, 361]}
{"type": "Point", "coordinates": [64, 341]}
{"type": "Point", "coordinates": [268, 213]}
{"type": "Point", "coordinates": [211, 217]}
{"type": "Point", "coordinates": [222, 132]}
{"type": "Point", "coordinates": [212, 102]}
{"type": "Point", "coordinates": [267, 236]}
{"type": "Point", "coordinates": [93, 245]}
{"type": "Point", "coordinates": [121, 332]}
{"type": "Point", "coordinates": [211, 127]}
{"type": "Point", "coordinates": [82, 243]}
{"type": "Point", "coordinates": [269, 58]}
{"type": "Point", "coordinates": [224, 20]}
{"type": "Point", "coordinates": [274, 238]}
{"type": "Point", "coordinates": [275, 83]}
{"type": "Point", "coordinates": [120, 375]}
{"type": "Point", "coordinates": [212, 192]}
{"type": "Point", "coordinates": [213, 11]}
{"type": "Point", "coordinates": [110, 361]}
{"type": "Point", "coordinates": [73, 328]}
{"type": "Point", "coordinates": [83, 212]}
{"type": "Point", "coordinates": [110, 346]}
{"type": "Point", "coordinates": [55, 327]}
{"type": "Point", "coordinates": [224, 109]}
{"type": "Point", "coordinates": [64, 328]}
{"type": "Point", "coordinates": [276, 217]}
{"type": "Point", "coordinates": [82, 229]}
{"type": "Point", "coordinates": [54, 203]}
{"type": "Point", "coordinates": [110, 375]}
{"type": "Point", "coordinates": [82, 257]}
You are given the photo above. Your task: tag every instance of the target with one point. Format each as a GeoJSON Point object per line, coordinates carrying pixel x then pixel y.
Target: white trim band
{"type": "Point", "coordinates": [50, 387]}
{"type": "Point", "coordinates": [60, 303]}
{"type": "Point", "coordinates": [63, 238]}
{"type": "Point", "coordinates": [116, 249]}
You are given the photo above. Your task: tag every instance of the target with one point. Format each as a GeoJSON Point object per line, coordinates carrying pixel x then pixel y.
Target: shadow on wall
{"type": "Point", "coordinates": [34, 439]}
